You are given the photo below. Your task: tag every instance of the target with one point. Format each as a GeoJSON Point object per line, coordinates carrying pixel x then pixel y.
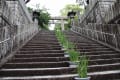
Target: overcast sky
{"type": "Point", "coordinates": [53, 6]}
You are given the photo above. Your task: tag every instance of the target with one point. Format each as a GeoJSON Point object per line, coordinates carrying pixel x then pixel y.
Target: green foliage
{"type": "Point", "coordinates": [69, 46]}
{"type": "Point", "coordinates": [43, 19]}
{"type": "Point", "coordinates": [57, 27]}
{"type": "Point", "coordinates": [74, 55]}
{"type": "Point", "coordinates": [82, 67]}
{"type": "Point", "coordinates": [70, 7]}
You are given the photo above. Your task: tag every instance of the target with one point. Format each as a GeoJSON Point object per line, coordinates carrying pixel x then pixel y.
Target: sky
{"type": "Point", "coordinates": [53, 6]}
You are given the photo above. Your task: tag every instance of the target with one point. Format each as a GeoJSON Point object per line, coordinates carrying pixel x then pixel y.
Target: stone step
{"type": "Point", "coordinates": [27, 55]}
{"type": "Point", "coordinates": [40, 59]}
{"type": "Point", "coordinates": [36, 65]}
{"type": "Point", "coordinates": [45, 42]}
{"type": "Point", "coordinates": [49, 77]}
{"type": "Point", "coordinates": [87, 44]}
{"type": "Point", "coordinates": [44, 39]}
{"type": "Point", "coordinates": [89, 47]}
{"type": "Point", "coordinates": [105, 75]}
{"type": "Point", "coordinates": [104, 67]}
{"type": "Point", "coordinates": [104, 61]}
{"type": "Point", "coordinates": [99, 52]}
{"type": "Point", "coordinates": [96, 49]}
{"type": "Point", "coordinates": [42, 51]}
{"type": "Point", "coordinates": [47, 48]}
{"type": "Point", "coordinates": [49, 40]}
{"type": "Point", "coordinates": [45, 36]}
{"type": "Point", "coordinates": [42, 46]}
{"type": "Point", "coordinates": [88, 53]}
{"type": "Point", "coordinates": [103, 56]}
{"type": "Point", "coordinates": [37, 72]}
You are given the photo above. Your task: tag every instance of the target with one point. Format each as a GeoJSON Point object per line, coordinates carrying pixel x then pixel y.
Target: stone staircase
{"type": "Point", "coordinates": [42, 58]}
{"type": "Point", "coordinates": [104, 62]}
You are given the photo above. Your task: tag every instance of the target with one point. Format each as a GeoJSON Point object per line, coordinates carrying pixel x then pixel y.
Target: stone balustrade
{"type": "Point", "coordinates": [96, 12]}
{"type": "Point", "coordinates": [107, 33]}
{"type": "Point", "coordinates": [113, 13]}
{"type": "Point", "coordinates": [16, 27]}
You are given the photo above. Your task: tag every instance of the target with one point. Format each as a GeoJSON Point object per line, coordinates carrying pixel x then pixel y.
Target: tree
{"type": "Point", "coordinates": [43, 19]}
{"type": "Point", "coordinates": [70, 7]}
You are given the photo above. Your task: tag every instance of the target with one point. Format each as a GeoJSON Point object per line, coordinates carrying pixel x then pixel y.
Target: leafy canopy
{"type": "Point", "coordinates": [43, 19]}
{"type": "Point", "coordinates": [70, 7]}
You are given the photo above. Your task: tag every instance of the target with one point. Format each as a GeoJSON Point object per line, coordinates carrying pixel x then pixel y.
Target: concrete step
{"type": "Point", "coordinates": [104, 61]}
{"type": "Point", "coordinates": [41, 46]}
{"type": "Point", "coordinates": [49, 77]}
{"type": "Point", "coordinates": [47, 48]}
{"type": "Point", "coordinates": [105, 75]}
{"type": "Point", "coordinates": [103, 56]}
{"type": "Point", "coordinates": [27, 55]}
{"type": "Point", "coordinates": [48, 40]}
{"type": "Point", "coordinates": [42, 51]}
{"type": "Point", "coordinates": [40, 59]}
{"type": "Point", "coordinates": [37, 72]}
{"type": "Point", "coordinates": [94, 49]}
{"type": "Point", "coordinates": [41, 42]}
{"type": "Point", "coordinates": [104, 67]}
{"type": "Point", "coordinates": [89, 47]}
{"type": "Point", "coordinates": [36, 64]}
{"type": "Point", "coordinates": [87, 44]}
{"type": "Point", "coordinates": [99, 53]}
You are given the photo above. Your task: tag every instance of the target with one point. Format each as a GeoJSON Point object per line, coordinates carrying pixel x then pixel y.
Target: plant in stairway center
{"type": "Point", "coordinates": [74, 55]}
{"type": "Point", "coordinates": [82, 67]}
{"type": "Point", "coordinates": [82, 62]}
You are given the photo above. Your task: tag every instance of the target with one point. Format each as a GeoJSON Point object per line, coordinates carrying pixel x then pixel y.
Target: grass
{"type": "Point", "coordinates": [82, 67]}
{"type": "Point", "coordinates": [74, 55]}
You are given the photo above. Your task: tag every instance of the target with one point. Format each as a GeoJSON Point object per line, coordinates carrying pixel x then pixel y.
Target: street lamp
{"type": "Point", "coordinates": [36, 15]}
{"type": "Point", "coordinates": [71, 16]}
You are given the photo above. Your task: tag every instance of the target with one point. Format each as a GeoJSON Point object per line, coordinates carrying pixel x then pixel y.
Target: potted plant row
{"type": "Point", "coordinates": [80, 62]}
{"type": "Point", "coordinates": [82, 68]}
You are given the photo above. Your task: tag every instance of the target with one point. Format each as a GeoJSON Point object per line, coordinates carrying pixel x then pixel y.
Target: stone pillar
{"type": "Point", "coordinates": [62, 24]}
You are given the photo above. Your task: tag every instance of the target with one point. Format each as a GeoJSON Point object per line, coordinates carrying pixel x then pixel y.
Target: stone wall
{"type": "Point", "coordinates": [96, 11]}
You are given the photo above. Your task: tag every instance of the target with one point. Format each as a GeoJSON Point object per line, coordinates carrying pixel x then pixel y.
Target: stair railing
{"type": "Point", "coordinates": [106, 33]}
{"type": "Point", "coordinates": [16, 28]}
